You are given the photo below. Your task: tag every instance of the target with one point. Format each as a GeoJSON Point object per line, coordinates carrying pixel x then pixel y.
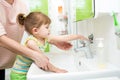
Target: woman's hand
{"type": "Point", "coordinates": [63, 45]}
{"type": "Point", "coordinates": [41, 61]}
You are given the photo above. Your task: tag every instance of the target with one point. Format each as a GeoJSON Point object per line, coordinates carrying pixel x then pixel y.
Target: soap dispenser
{"type": "Point", "coordinates": [100, 54]}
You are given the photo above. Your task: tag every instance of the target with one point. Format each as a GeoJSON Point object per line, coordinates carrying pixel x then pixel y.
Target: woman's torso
{"type": "Point", "coordinates": [13, 30]}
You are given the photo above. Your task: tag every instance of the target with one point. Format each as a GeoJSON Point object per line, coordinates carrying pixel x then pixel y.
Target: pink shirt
{"type": "Point", "coordinates": [8, 26]}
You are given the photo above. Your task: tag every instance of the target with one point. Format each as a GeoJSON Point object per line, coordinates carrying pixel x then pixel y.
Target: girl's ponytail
{"type": "Point", "coordinates": [21, 19]}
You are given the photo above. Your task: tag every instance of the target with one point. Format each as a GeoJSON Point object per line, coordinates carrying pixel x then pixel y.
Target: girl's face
{"type": "Point", "coordinates": [43, 31]}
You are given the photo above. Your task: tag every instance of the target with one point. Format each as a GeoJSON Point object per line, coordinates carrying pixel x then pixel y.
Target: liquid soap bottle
{"type": "Point", "coordinates": [100, 52]}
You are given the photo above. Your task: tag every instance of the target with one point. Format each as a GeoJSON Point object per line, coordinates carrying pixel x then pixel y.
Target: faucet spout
{"type": "Point", "coordinates": [87, 51]}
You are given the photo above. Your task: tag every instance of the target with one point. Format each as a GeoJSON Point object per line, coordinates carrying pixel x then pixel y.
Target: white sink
{"type": "Point", "coordinates": [78, 69]}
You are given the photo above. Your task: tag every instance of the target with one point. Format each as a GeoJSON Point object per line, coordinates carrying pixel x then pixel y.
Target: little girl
{"type": "Point", "coordinates": [37, 25]}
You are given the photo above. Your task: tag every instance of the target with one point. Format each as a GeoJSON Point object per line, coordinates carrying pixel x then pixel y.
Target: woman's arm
{"type": "Point", "coordinates": [15, 47]}
{"type": "Point", "coordinates": [32, 45]}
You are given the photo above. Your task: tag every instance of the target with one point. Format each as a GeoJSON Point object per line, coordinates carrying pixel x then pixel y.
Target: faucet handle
{"type": "Point", "coordinates": [87, 43]}
{"type": "Point", "coordinates": [91, 37]}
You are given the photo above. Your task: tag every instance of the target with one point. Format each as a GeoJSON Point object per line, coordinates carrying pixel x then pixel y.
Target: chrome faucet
{"type": "Point", "coordinates": [86, 47]}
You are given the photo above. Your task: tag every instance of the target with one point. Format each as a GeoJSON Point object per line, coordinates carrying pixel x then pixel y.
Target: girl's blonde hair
{"type": "Point", "coordinates": [32, 20]}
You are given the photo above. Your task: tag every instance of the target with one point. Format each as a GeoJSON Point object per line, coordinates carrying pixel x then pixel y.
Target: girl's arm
{"type": "Point", "coordinates": [71, 37]}
{"type": "Point", "coordinates": [15, 47]}
{"type": "Point", "coordinates": [32, 45]}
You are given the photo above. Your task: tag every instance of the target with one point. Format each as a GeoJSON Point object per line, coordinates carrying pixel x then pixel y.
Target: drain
{"type": "Point", "coordinates": [79, 63]}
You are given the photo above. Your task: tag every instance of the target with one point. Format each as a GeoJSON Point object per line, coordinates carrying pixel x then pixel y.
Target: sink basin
{"type": "Point", "coordinates": [78, 68]}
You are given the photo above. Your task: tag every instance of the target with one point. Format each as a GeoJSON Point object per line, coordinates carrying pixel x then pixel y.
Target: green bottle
{"type": "Point", "coordinates": [116, 23]}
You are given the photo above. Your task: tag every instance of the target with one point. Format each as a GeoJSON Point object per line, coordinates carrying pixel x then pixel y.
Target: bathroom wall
{"type": "Point", "coordinates": [102, 26]}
